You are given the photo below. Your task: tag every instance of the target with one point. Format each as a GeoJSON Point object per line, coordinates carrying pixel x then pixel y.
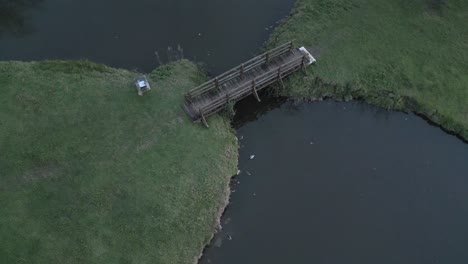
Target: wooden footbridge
{"type": "Point", "coordinates": [244, 80]}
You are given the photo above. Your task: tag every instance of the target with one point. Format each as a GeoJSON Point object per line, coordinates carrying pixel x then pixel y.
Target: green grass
{"type": "Point", "coordinates": [405, 55]}
{"type": "Point", "coordinates": [92, 173]}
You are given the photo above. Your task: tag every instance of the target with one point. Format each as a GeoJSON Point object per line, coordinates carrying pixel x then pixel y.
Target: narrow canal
{"type": "Point", "coordinates": [127, 34]}
{"type": "Point", "coordinates": [344, 183]}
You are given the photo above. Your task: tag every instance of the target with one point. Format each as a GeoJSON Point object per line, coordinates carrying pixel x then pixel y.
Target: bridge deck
{"type": "Point", "coordinates": [246, 79]}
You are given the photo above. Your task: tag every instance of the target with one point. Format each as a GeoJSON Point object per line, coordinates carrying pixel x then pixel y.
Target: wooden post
{"type": "Point", "coordinates": [255, 91]}
{"type": "Point", "coordinates": [303, 65]}
{"type": "Point", "coordinates": [203, 119]}
{"type": "Point", "coordinates": [242, 71]}
{"type": "Point", "coordinates": [267, 57]}
{"type": "Point", "coordinates": [280, 79]}
{"type": "Point", "coordinates": [216, 82]}
{"type": "Point", "coordinates": [291, 45]}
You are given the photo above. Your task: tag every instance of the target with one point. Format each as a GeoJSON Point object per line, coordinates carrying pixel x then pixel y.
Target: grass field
{"type": "Point", "coordinates": [406, 55]}
{"type": "Point", "coordinates": [93, 173]}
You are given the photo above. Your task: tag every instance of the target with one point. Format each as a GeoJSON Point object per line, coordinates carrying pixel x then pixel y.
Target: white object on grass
{"type": "Point", "coordinates": [305, 52]}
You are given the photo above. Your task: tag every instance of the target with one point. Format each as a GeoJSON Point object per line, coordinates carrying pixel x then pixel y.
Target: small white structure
{"type": "Point", "coordinates": [305, 52]}
{"type": "Point", "coordinates": [142, 85]}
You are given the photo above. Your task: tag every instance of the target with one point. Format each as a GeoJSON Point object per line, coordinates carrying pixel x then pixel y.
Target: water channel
{"type": "Point", "coordinates": [127, 34]}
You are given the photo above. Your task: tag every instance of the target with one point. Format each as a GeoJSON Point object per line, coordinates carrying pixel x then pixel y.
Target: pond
{"type": "Point", "coordinates": [344, 183]}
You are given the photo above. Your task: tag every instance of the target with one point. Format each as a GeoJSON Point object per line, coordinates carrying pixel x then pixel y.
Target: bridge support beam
{"type": "Point", "coordinates": [291, 45]}
{"type": "Point", "coordinates": [255, 91]}
{"type": "Point", "coordinates": [303, 65]}
{"type": "Point", "coordinates": [203, 119]}
{"type": "Point", "coordinates": [280, 77]}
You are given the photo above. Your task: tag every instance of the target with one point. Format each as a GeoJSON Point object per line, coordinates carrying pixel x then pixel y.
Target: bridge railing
{"type": "Point", "coordinates": [240, 70]}
{"type": "Point", "coordinates": [255, 85]}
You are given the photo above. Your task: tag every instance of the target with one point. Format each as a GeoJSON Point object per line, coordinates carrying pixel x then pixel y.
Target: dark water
{"type": "Point", "coordinates": [345, 183]}
{"type": "Point", "coordinates": [126, 34]}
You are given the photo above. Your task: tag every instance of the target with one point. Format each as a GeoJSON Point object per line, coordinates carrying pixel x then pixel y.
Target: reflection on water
{"type": "Point", "coordinates": [345, 183]}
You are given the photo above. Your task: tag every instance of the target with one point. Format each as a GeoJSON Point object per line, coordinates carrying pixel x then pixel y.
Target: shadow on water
{"type": "Point", "coordinates": [14, 16]}
{"type": "Point", "coordinates": [249, 109]}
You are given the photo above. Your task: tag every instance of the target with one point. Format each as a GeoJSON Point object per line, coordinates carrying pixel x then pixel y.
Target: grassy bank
{"type": "Point", "coordinates": [404, 55]}
{"type": "Point", "coordinates": [92, 173]}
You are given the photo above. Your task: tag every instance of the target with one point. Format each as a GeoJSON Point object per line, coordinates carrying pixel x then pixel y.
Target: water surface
{"type": "Point", "coordinates": [126, 34]}
{"type": "Point", "coordinates": [345, 183]}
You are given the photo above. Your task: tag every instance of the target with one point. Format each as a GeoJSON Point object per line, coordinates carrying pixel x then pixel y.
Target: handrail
{"type": "Point", "coordinates": [240, 70]}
